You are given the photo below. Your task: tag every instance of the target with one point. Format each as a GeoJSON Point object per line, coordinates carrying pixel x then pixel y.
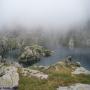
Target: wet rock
{"type": "Point", "coordinates": [70, 61]}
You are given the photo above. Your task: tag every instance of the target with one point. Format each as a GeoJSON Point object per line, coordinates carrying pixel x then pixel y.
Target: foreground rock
{"type": "Point", "coordinates": [75, 87]}
{"type": "Point", "coordinates": [9, 78]}
{"type": "Point", "coordinates": [76, 66]}
{"type": "Point", "coordinates": [34, 73]}
{"type": "Point", "coordinates": [81, 70]}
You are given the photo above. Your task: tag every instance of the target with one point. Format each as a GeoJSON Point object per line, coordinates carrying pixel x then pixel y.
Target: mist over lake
{"type": "Point", "coordinates": [44, 44]}
{"type": "Point", "coordinates": [49, 23]}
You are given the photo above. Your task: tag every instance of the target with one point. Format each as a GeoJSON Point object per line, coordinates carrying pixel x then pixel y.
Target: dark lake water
{"type": "Point", "coordinates": [78, 54]}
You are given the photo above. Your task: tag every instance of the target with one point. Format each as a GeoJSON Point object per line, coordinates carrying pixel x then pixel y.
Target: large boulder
{"type": "Point", "coordinates": [9, 78]}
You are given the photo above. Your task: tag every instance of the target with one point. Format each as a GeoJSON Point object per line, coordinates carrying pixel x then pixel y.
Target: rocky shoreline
{"type": "Point", "coordinates": [77, 86]}
{"type": "Point", "coordinates": [10, 74]}
{"type": "Point", "coordinates": [35, 73]}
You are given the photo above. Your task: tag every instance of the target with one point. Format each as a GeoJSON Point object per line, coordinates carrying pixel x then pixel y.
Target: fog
{"type": "Point", "coordinates": [49, 22]}
{"type": "Point", "coordinates": [62, 26]}
{"type": "Point", "coordinates": [44, 13]}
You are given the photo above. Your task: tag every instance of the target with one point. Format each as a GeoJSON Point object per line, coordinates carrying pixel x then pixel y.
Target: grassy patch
{"type": "Point", "coordinates": [27, 83]}
{"type": "Point", "coordinates": [59, 75]}
{"type": "Point", "coordinates": [83, 78]}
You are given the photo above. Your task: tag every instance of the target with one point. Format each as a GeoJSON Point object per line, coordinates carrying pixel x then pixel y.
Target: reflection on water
{"type": "Point", "coordinates": [79, 54]}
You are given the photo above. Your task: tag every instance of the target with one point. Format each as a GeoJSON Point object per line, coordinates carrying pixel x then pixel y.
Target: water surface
{"type": "Point", "coordinates": [78, 54]}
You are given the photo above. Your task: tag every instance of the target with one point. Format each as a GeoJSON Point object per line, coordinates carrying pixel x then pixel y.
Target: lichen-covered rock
{"type": "Point", "coordinates": [9, 77]}
{"type": "Point", "coordinates": [69, 61]}
{"type": "Point", "coordinates": [34, 53]}
{"type": "Point", "coordinates": [81, 70]}
{"type": "Point", "coordinates": [75, 87]}
{"type": "Point", "coordinates": [35, 73]}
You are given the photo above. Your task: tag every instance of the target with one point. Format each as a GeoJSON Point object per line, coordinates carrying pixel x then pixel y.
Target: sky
{"type": "Point", "coordinates": [47, 13]}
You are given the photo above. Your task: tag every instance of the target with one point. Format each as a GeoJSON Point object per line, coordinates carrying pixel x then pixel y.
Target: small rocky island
{"type": "Point", "coordinates": [33, 53]}
{"type": "Point", "coordinates": [64, 75]}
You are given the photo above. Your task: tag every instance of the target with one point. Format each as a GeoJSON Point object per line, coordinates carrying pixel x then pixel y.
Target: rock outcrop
{"type": "Point", "coordinates": [34, 73]}
{"type": "Point", "coordinates": [75, 87]}
{"type": "Point", "coordinates": [33, 53]}
{"type": "Point", "coordinates": [9, 78]}
{"type": "Point", "coordinates": [81, 70]}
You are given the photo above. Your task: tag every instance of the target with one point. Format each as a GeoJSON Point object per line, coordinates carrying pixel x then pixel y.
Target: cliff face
{"type": "Point", "coordinates": [9, 77]}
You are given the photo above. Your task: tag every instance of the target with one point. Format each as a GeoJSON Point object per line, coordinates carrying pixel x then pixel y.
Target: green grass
{"type": "Point", "coordinates": [54, 80]}
{"type": "Point", "coordinates": [83, 78]}
{"type": "Point", "coordinates": [58, 76]}
{"type": "Point", "coordinates": [34, 84]}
